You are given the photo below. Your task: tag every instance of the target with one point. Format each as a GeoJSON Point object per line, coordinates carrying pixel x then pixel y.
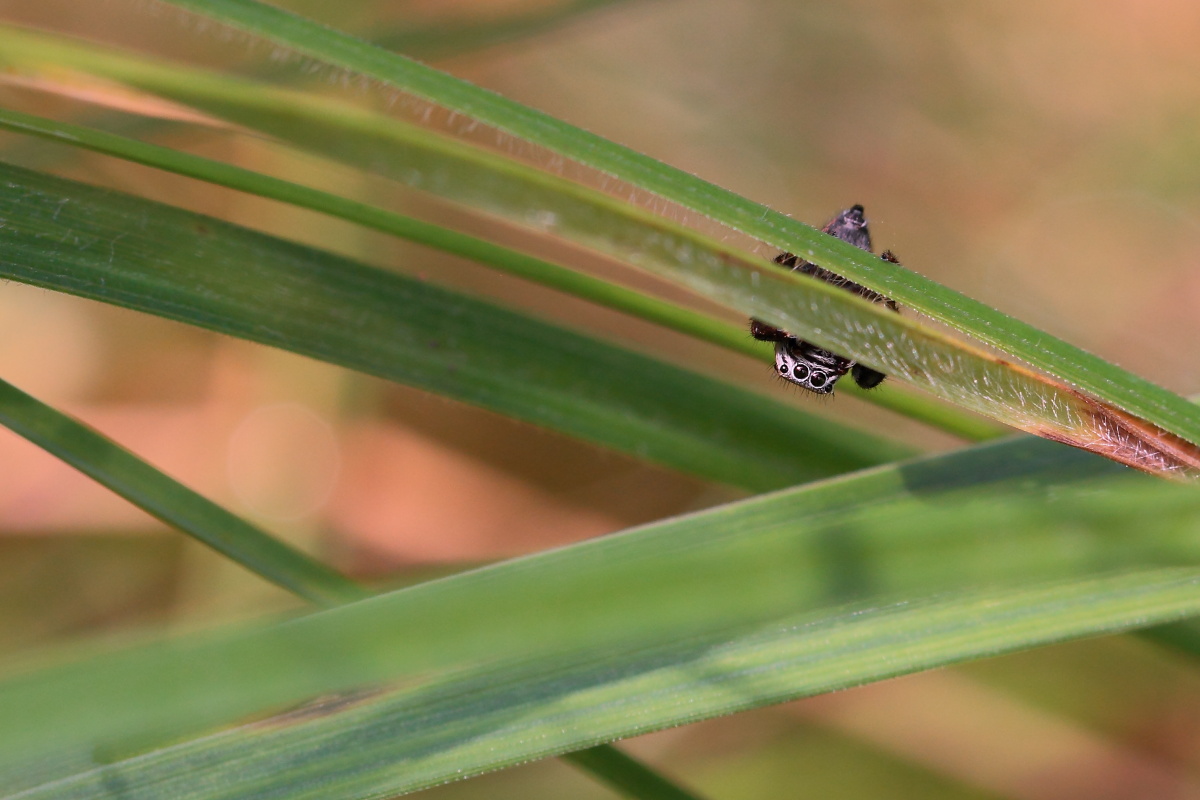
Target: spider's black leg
{"type": "Point", "coordinates": [866, 377]}
{"type": "Point", "coordinates": [766, 333]}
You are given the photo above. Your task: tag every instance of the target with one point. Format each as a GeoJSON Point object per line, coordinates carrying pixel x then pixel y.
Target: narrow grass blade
{"type": "Point", "coordinates": [684, 320]}
{"type": "Point", "coordinates": [1076, 367]}
{"type": "Point", "coordinates": [152, 491]}
{"type": "Point", "coordinates": [538, 270]}
{"type": "Point", "coordinates": [809, 308]}
{"type": "Point", "coordinates": [625, 775]}
{"type": "Point", "coordinates": [73, 238]}
{"type": "Point", "coordinates": [441, 41]}
{"type": "Point", "coordinates": [602, 292]}
{"type": "Point", "coordinates": [785, 595]}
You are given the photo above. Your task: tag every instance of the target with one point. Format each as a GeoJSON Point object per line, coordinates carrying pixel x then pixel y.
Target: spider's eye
{"type": "Point", "coordinates": [783, 368]}
{"type": "Point", "coordinates": [818, 378]}
{"type": "Point", "coordinates": [800, 371]}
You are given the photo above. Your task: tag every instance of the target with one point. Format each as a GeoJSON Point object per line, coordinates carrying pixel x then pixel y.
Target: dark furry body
{"type": "Point", "coordinates": [806, 364]}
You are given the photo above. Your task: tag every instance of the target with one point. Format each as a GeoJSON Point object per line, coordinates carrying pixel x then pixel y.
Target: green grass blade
{"type": "Point", "coordinates": [421, 739]}
{"type": "Point", "coordinates": [182, 266]}
{"type": "Point", "coordinates": [602, 292]}
{"type": "Point", "coordinates": [456, 37]}
{"type": "Point", "coordinates": [809, 308]}
{"type": "Point", "coordinates": [777, 597]}
{"type": "Point", "coordinates": [1077, 367]}
{"type": "Point", "coordinates": [1181, 637]}
{"type": "Point", "coordinates": [625, 775]}
{"type": "Point", "coordinates": [116, 468]}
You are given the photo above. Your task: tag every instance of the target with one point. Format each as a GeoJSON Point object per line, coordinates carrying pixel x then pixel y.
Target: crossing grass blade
{"type": "Point", "coordinates": [781, 596]}
{"type": "Point", "coordinates": [127, 475]}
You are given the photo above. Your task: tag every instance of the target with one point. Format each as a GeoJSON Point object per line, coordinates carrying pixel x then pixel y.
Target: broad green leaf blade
{"type": "Point", "coordinates": [1056, 357]}
{"type": "Point", "coordinates": [602, 292]}
{"type": "Point", "coordinates": [67, 236]}
{"type": "Point", "coordinates": [780, 596]}
{"type": "Point", "coordinates": [111, 465]}
{"type": "Point", "coordinates": [808, 308]}
{"type": "Point", "coordinates": [419, 739]}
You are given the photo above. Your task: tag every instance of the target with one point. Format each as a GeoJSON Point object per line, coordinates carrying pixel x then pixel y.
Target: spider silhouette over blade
{"type": "Point", "coordinates": [803, 363]}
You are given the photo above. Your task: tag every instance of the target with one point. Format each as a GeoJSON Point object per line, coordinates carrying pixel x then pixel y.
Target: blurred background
{"type": "Point", "coordinates": [1044, 160]}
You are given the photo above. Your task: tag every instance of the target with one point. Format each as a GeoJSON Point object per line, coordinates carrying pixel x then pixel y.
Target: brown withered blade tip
{"type": "Point", "coordinates": [1130, 440]}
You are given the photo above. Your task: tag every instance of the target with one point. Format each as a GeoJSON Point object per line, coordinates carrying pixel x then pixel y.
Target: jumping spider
{"type": "Point", "coordinates": [805, 364]}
